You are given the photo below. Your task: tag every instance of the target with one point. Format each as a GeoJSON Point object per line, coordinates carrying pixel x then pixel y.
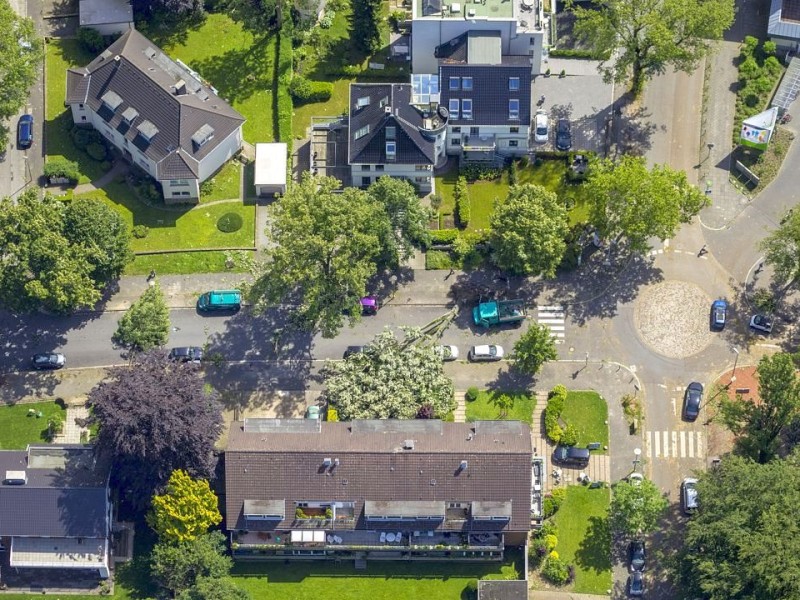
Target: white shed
{"type": "Point", "coordinates": [109, 17]}
{"type": "Point", "coordinates": [270, 173]}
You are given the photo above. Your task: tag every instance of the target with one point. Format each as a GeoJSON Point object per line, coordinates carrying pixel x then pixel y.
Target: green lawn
{"type": "Point", "coordinates": [380, 581]}
{"type": "Point", "coordinates": [224, 184]}
{"type": "Point", "coordinates": [237, 64]}
{"type": "Point", "coordinates": [60, 55]}
{"type": "Point", "coordinates": [588, 412]}
{"type": "Point", "coordinates": [482, 408]}
{"type": "Point", "coordinates": [19, 429]}
{"type": "Point", "coordinates": [584, 538]}
{"type": "Point", "coordinates": [181, 263]}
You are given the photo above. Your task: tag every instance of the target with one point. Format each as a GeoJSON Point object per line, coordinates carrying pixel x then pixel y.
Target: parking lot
{"type": "Point", "coordinates": [580, 96]}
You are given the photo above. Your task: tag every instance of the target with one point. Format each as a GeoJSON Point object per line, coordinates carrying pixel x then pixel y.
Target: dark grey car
{"type": "Point", "coordinates": [571, 456]}
{"type": "Point", "coordinates": [186, 354]}
{"type": "Point", "coordinates": [691, 401]}
{"type": "Point", "coordinates": [563, 134]}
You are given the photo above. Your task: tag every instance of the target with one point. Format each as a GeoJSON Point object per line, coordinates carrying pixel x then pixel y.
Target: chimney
{"type": "Point", "coordinates": [180, 87]}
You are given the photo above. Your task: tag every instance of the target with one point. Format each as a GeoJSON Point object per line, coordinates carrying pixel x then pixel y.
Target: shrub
{"type": "Point", "coordinates": [764, 300]}
{"type": "Point", "coordinates": [62, 167]}
{"type": "Point", "coordinates": [230, 222]}
{"type": "Point", "coordinates": [556, 570]}
{"type": "Point", "coordinates": [463, 209]}
{"type": "Point", "coordinates": [551, 542]}
{"type": "Point", "coordinates": [480, 172]}
{"type": "Point", "coordinates": [304, 91]}
{"type": "Point", "coordinates": [549, 508]}
{"type": "Point", "coordinates": [552, 412]}
{"type": "Point", "coordinates": [91, 40]}
{"type": "Point", "coordinates": [140, 231]}
{"type": "Point", "coordinates": [326, 21]}
{"type": "Point", "coordinates": [512, 173]}
{"type": "Point", "coordinates": [769, 48]}
{"type": "Point", "coordinates": [82, 137]}
{"type": "Point", "coordinates": [569, 435]}
{"type": "Point", "coordinates": [559, 495]}
{"type": "Point", "coordinates": [536, 552]}
{"type": "Point", "coordinates": [471, 589]}
{"type": "Point", "coordinates": [549, 528]}
{"type": "Point", "coordinates": [96, 151]}
{"type": "Point", "coordinates": [443, 236]}
{"type": "Point", "coordinates": [472, 394]}
{"type": "Point", "coordinates": [749, 46]}
{"type": "Point", "coordinates": [438, 259]}
{"type": "Point", "coordinates": [283, 74]}
{"type": "Point", "coordinates": [425, 412]}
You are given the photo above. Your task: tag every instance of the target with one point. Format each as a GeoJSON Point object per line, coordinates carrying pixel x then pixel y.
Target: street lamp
{"type": "Point", "coordinates": [637, 452]}
{"type": "Point", "coordinates": [735, 361]}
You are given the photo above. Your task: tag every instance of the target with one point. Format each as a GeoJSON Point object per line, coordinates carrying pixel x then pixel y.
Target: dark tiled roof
{"type": "Point", "coordinates": [412, 147]}
{"type": "Point", "coordinates": [490, 93]}
{"type": "Point", "coordinates": [65, 494]}
{"type": "Point", "coordinates": [502, 590]}
{"type": "Point", "coordinates": [145, 78]}
{"type": "Point", "coordinates": [375, 464]}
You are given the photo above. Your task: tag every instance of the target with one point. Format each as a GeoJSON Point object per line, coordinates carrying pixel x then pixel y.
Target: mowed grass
{"type": "Point", "coordinates": [584, 538]}
{"type": "Point", "coordinates": [61, 55]}
{"type": "Point", "coordinates": [182, 263]}
{"type": "Point", "coordinates": [224, 184]}
{"type": "Point", "coordinates": [483, 409]}
{"type": "Point", "coordinates": [19, 429]}
{"type": "Point", "coordinates": [240, 66]}
{"type": "Point", "coordinates": [393, 580]}
{"type": "Point", "coordinates": [588, 412]}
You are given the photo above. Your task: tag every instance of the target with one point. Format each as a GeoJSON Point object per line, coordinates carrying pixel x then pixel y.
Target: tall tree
{"type": "Point", "coordinates": [758, 425]}
{"type": "Point", "coordinates": [744, 543]}
{"type": "Point", "coordinates": [186, 509]}
{"type": "Point", "coordinates": [409, 219]}
{"type": "Point", "coordinates": [257, 16]}
{"type": "Point", "coordinates": [391, 379]}
{"type": "Point", "coordinates": [325, 246]}
{"type": "Point", "coordinates": [533, 349]}
{"type": "Point", "coordinates": [155, 416]}
{"type": "Point", "coordinates": [782, 248]}
{"type": "Point", "coordinates": [528, 231]}
{"type": "Point", "coordinates": [21, 55]}
{"type": "Point", "coordinates": [366, 25]}
{"type": "Point", "coordinates": [178, 567]}
{"type": "Point", "coordinates": [145, 324]}
{"type": "Point", "coordinates": [636, 507]}
{"type": "Point", "coordinates": [645, 37]}
{"type": "Point", "coordinates": [633, 203]}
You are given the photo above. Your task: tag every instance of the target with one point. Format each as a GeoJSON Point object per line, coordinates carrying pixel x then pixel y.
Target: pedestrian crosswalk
{"type": "Point", "coordinates": [553, 318]}
{"type": "Point", "coordinates": [674, 444]}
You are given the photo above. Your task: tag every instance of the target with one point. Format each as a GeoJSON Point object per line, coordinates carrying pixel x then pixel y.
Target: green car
{"type": "Point", "coordinates": [220, 300]}
{"type": "Point", "coordinates": [312, 412]}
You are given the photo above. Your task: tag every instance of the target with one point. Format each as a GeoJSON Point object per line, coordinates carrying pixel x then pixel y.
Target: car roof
{"type": "Point", "coordinates": [719, 303]}
{"type": "Point", "coordinates": [695, 385]}
{"type": "Point", "coordinates": [26, 119]}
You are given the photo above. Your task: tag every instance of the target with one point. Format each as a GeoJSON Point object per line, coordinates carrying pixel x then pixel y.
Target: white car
{"type": "Point", "coordinates": [762, 323]}
{"type": "Point", "coordinates": [447, 352]}
{"type": "Point", "coordinates": [540, 129]}
{"type": "Point", "coordinates": [486, 353]}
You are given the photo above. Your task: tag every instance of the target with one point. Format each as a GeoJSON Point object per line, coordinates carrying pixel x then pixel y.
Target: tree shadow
{"type": "Point", "coordinates": [593, 551]}
{"type": "Point", "coordinates": [633, 128]}
{"type": "Point", "coordinates": [168, 28]}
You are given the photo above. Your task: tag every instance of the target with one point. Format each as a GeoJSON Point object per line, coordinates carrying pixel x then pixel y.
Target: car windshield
{"type": "Point", "coordinates": [541, 129]}
{"type": "Point", "coordinates": [493, 350]}
{"type": "Point", "coordinates": [43, 358]}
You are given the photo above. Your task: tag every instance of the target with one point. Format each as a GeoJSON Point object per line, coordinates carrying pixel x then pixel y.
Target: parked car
{"type": "Point", "coordinates": [369, 306]}
{"type": "Point", "coordinates": [486, 353]}
{"type": "Point", "coordinates": [351, 350]}
{"type": "Point", "coordinates": [563, 134]}
{"type": "Point", "coordinates": [692, 398]}
{"type": "Point", "coordinates": [636, 584]}
{"type": "Point", "coordinates": [25, 132]}
{"type": "Point", "coordinates": [689, 495]}
{"type": "Point", "coordinates": [48, 361]}
{"type": "Point", "coordinates": [540, 127]}
{"type": "Point", "coordinates": [447, 352]}
{"type": "Point", "coordinates": [719, 314]}
{"type": "Point", "coordinates": [762, 323]}
{"type": "Point", "coordinates": [637, 555]}
{"type": "Point", "coordinates": [571, 456]}
{"type": "Point", "coordinates": [220, 300]}
{"type": "Point", "coordinates": [313, 412]}
{"type": "Point", "coordinates": [192, 354]}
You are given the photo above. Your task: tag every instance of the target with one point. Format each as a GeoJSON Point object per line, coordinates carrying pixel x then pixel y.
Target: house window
{"type": "Point", "coordinates": [474, 130]}
{"type": "Point", "coordinates": [466, 108]}
{"type": "Point", "coordinates": [513, 143]}
{"type": "Point", "coordinates": [384, 101]}
{"type": "Point", "coordinates": [513, 109]}
{"type": "Point", "coordinates": [455, 142]}
{"type": "Point", "coordinates": [390, 133]}
{"type": "Point", "coordinates": [365, 181]}
{"type": "Point", "coordinates": [365, 167]}
{"type": "Point", "coordinates": [513, 83]}
{"type": "Point", "coordinates": [421, 180]}
{"type": "Point", "coordinates": [453, 106]}
{"type": "Point", "coordinates": [379, 167]}
{"type": "Point", "coordinates": [455, 82]}
{"type": "Point", "coordinates": [456, 130]}
{"type": "Point", "coordinates": [361, 132]}
{"type": "Point", "coordinates": [422, 167]}
{"type": "Point", "coordinates": [83, 118]}
{"type": "Point", "coordinates": [80, 106]}
{"type": "Point", "coordinates": [533, 41]}
{"type": "Point", "coordinates": [466, 83]}
{"type": "Point", "coordinates": [391, 150]}
{"type": "Point", "coordinates": [362, 102]}
{"type": "Point", "coordinates": [513, 129]}
{"type": "Point", "coordinates": [179, 182]}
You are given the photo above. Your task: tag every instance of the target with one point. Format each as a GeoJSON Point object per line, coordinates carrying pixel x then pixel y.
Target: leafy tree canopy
{"type": "Point", "coordinates": [145, 324]}
{"type": "Point", "coordinates": [257, 16]}
{"type": "Point", "coordinates": [782, 248]}
{"type": "Point", "coordinates": [758, 425]}
{"type": "Point", "coordinates": [645, 37]}
{"type": "Point", "coordinates": [528, 231]}
{"type": "Point", "coordinates": [533, 349]}
{"type": "Point", "coordinates": [744, 540]}
{"type": "Point", "coordinates": [155, 416]}
{"type": "Point", "coordinates": [634, 203]}
{"type": "Point", "coordinates": [636, 508]}
{"type": "Point", "coordinates": [366, 27]}
{"type": "Point", "coordinates": [325, 247]}
{"type": "Point", "coordinates": [178, 567]}
{"type": "Point", "coordinates": [186, 509]}
{"type": "Point", "coordinates": [391, 379]}
{"type": "Point", "coordinates": [209, 588]}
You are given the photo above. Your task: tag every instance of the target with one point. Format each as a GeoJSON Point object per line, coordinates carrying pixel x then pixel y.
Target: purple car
{"type": "Point", "coordinates": [369, 306]}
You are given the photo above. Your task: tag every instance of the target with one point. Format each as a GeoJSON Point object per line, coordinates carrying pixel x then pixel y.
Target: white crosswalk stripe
{"type": "Point", "coordinates": [673, 444]}
{"type": "Point", "coordinates": [552, 317]}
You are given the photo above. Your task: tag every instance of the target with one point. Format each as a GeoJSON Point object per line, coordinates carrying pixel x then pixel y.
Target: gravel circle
{"type": "Point", "coordinates": [673, 319]}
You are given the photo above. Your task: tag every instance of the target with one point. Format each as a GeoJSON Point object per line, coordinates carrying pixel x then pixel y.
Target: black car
{"type": "Point", "coordinates": [691, 401]}
{"type": "Point", "coordinates": [48, 361]}
{"type": "Point", "coordinates": [636, 584]}
{"type": "Point", "coordinates": [571, 456]}
{"type": "Point", "coordinates": [351, 350]}
{"type": "Point", "coordinates": [637, 555]}
{"type": "Point", "coordinates": [186, 354]}
{"type": "Point", "coordinates": [563, 134]}
{"type": "Point", "coordinates": [719, 314]}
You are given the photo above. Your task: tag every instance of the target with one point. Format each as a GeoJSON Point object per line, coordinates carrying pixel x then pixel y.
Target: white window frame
{"type": "Point", "coordinates": [454, 112]}
{"type": "Point", "coordinates": [454, 83]}
{"type": "Point", "coordinates": [513, 113]}
{"type": "Point", "coordinates": [514, 84]}
{"type": "Point", "coordinates": [466, 84]}
{"type": "Point", "coordinates": [466, 113]}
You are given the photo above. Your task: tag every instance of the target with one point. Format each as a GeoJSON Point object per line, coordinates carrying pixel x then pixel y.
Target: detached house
{"type": "Point", "coordinates": [55, 512]}
{"type": "Point", "coordinates": [157, 112]}
{"type": "Point", "coordinates": [377, 489]}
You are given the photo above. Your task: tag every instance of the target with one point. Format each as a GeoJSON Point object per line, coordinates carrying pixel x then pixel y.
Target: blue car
{"type": "Point", "coordinates": [719, 314]}
{"type": "Point", "coordinates": [25, 132]}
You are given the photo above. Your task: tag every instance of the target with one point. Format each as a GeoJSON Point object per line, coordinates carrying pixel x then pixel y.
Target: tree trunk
{"type": "Point", "coordinates": [637, 80]}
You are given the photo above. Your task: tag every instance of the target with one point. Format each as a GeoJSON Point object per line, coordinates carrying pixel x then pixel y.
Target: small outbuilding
{"type": "Point", "coordinates": [270, 172]}
{"type": "Point", "coordinates": [108, 17]}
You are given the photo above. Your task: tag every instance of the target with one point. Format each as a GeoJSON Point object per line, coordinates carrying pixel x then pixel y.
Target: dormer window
{"type": "Point", "coordinates": [453, 107]}
{"type": "Point", "coordinates": [391, 150]}
{"type": "Point", "coordinates": [513, 109]}
{"type": "Point", "coordinates": [361, 132]}
{"type": "Point", "coordinates": [455, 83]}
{"type": "Point", "coordinates": [203, 135]}
{"type": "Point", "coordinates": [466, 108]}
{"type": "Point", "coordinates": [384, 101]}
{"type": "Point", "coordinates": [362, 102]}
{"type": "Point", "coordinates": [466, 84]}
{"type": "Point", "coordinates": [112, 100]}
{"type": "Point", "coordinates": [390, 132]}
{"type": "Point", "coordinates": [513, 83]}
{"type": "Point", "coordinates": [147, 130]}
{"type": "Point", "coordinates": [129, 115]}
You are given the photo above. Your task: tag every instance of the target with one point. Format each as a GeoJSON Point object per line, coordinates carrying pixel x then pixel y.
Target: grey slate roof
{"type": "Point", "coordinates": [375, 465]}
{"type": "Point", "coordinates": [65, 494]}
{"type": "Point", "coordinates": [781, 23]}
{"type": "Point", "coordinates": [502, 590]}
{"type": "Point", "coordinates": [490, 93]}
{"type": "Point", "coordinates": [99, 12]}
{"type": "Point", "coordinates": [134, 69]}
{"type": "Point", "coordinates": [412, 147]}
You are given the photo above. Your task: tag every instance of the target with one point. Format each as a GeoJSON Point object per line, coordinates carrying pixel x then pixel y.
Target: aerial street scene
{"type": "Point", "coordinates": [399, 299]}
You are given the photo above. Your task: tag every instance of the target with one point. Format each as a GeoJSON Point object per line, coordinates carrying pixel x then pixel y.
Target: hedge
{"type": "Point", "coordinates": [573, 53]}
{"type": "Point", "coordinates": [463, 209]}
{"type": "Point", "coordinates": [61, 167]}
{"type": "Point", "coordinates": [304, 91]}
{"type": "Point", "coordinates": [283, 78]}
{"type": "Point", "coordinates": [552, 412]}
{"type": "Point", "coordinates": [443, 236]}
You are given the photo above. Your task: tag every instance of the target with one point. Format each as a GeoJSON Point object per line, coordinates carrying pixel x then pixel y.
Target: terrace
{"type": "Point", "coordinates": [529, 13]}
